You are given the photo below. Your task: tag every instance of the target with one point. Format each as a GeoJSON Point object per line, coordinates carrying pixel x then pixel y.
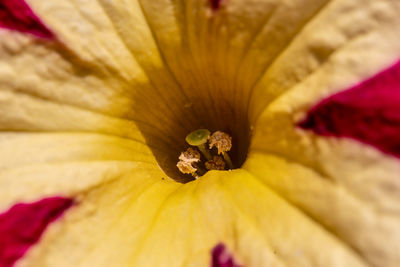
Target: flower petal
{"type": "Point", "coordinates": [34, 165]}
{"type": "Point", "coordinates": [136, 31]}
{"type": "Point", "coordinates": [221, 54]}
{"type": "Point", "coordinates": [23, 224]}
{"type": "Point", "coordinates": [44, 86]}
{"type": "Point", "coordinates": [16, 15]}
{"type": "Point", "coordinates": [127, 206]}
{"type": "Point", "coordinates": [83, 28]}
{"type": "Point", "coordinates": [345, 43]}
{"type": "Point", "coordinates": [167, 224]}
{"type": "Point", "coordinates": [362, 224]}
{"type": "Point", "coordinates": [46, 72]}
{"type": "Point", "coordinates": [326, 176]}
{"type": "Point", "coordinates": [221, 257]}
{"type": "Point", "coordinates": [368, 112]}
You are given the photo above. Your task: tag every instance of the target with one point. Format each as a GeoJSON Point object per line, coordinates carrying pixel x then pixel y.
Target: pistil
{"type": "Point", "coordinates": [199, 139]}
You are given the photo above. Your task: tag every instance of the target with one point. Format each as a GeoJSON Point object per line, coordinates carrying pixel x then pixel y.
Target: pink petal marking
{"type": "Point", "coordinates": [23, 224]}
{"type": "Point", "coordinates": [215, 4]}
{"type": "Point", "coordinates": [17, 15]}
{"type": "Point", "coordinates": [221, 257]}
{"type": "Point", "coordinates": [368, 112]}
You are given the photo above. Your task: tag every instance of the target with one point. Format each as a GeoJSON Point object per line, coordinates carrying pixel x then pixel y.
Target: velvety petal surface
{"type": "Point", "coordinates": [166, 224]}
{"type": "Point", "coordinates": [352, 181]}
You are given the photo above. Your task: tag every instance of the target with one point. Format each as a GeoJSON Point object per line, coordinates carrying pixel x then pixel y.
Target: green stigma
{"type": "Point", "coordinates": [198, 137]}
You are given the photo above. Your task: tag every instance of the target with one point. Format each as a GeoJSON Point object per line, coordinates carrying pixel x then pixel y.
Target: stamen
{"type": "Point", "coordinates": [191, 155]}
{"type": "Point", "coordinates": [228, 160]}
{"type": "Point", "coordinates": [217, 163]}
{"type": "Point", "coordinates": [223, 142]}
{"type": "Point", "coordinates": [187, 168]}
{"type": "Point", "coordinates": [190, 160]}
{"type": "Point", "coordinates": [199, 138]}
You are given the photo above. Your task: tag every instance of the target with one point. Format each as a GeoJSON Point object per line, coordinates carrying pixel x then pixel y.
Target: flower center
{"type": "Point", "coordinates": [166, 133]}
{"type": "Point", "coordinates": [190, 161]}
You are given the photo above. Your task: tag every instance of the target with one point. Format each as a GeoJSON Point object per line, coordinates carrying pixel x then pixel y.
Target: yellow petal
{"type": "Point", "coordinates": [348, 187]}
{"type": "Point", "coordinates": [340, 46]}
{"type": "Point", "coordinates": [48, 74]}
{"type": "Point", "coordinates": [84, 28]}
{"type": "Point", "coordinates": [142, 223]}
{"type": "Point", "coordinates": [360, 223]}
{"type": "Point", "coordinates": [347, 162]}
{"type": "Point", "coordinates": [46, 71]}
{"type": "Point", "coordinates": [35, 165]}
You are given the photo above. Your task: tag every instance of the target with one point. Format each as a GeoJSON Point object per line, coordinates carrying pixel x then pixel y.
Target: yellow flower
{"type": "Point", "coordinates": [100, 115]}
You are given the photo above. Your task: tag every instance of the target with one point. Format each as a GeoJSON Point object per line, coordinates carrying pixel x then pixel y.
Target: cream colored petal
{"type": "Point", "coordinates": [223, 52]}
{"type": "Point", "coordinates": [360, 223]}
{"type": "Point", "coordinates": [138, 33]}
{"type": "Point", "coordinates": [232, 62]}
{"type": "Point", "coordinates": [57, 81]}
{"type": "Point", "coordinates": [45, 71]}
{"type": "Point", "coordinates": [345, 161]}
{"type": "Point", "coordinates": [363, 170]}
{"type": "Point", "coordinates": [103, 236]}
{"type": "Point", "coordinates": [25, 112]}
{"type": "Point", "coordinates": [19, 149]}
{"type": "Point", "coordinates": [69, 179]}
{"type": "Point", "coordinates": [84, 28]}
{"type": "Point", "coordinates": [36, 165]}
{"type": "Point", "coordinates": [344, 43]}
{"type": "Point", "coordinates": [351, 188]}
{"type": "Point", "coordinates": [142, 223]}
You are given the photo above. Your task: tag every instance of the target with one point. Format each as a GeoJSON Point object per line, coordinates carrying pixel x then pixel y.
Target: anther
{"type": "Point", "coordinates": [199, 138]}
{"type": "Point", "coordinates": [217, 163]}
{"type": "Point", "coordinates": [187, 168]}
{"type": "Point", "coordinates": [223, 142]}
{"type": "Point", "coordinates": [191, 155]}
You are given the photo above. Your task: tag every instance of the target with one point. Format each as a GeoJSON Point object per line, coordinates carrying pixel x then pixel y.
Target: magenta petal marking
{"type": "Point", "coordinates": [215, 4]}
{"type": "Point", "coordinates": [221, 257]}
{"type": "Point", "coordinates": [17, 15]}
{"type": "Point", "coordinates": [368, 112]}
{"type": "Point", "coordinates": [23, 224]}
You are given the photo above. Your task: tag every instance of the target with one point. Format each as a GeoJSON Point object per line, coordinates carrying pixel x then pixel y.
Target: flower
{"type": "Point", "coordinates": [97, 96]}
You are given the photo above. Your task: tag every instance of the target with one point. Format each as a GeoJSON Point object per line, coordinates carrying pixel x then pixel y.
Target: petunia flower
{"type": "Point", "coordinates": [97, 96]}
